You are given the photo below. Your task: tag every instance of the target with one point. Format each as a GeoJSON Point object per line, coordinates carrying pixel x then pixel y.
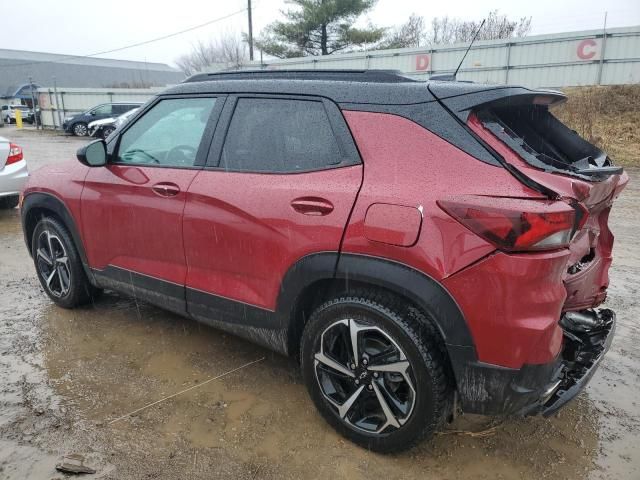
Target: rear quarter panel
{"type": "Point", "coordinates": [511, 303]}
{"type": "Point", "coordinates": [407, 165]}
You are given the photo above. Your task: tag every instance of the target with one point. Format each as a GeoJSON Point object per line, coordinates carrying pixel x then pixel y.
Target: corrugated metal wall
{"type": "Point", "coordinates": [558, 60]}
{"type": "Point", "coordinates": [75, 100]}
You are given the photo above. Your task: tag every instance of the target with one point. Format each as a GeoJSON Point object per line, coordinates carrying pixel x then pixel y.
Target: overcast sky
{"type": "Point", "coordinates": [80, 27]}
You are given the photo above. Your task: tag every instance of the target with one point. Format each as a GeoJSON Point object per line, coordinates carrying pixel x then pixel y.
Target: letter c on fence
{"type": "Point", "coordinates": [587, 49]}
{"type": "Point", "coordinates": [422, 62]}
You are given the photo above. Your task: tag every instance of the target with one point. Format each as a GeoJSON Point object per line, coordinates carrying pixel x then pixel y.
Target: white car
{"type": "Point", "coordinates": [9, 113]}
{"type": "Point", "coordinates": [104, 127]}
{"type": "Point", "coordinates": [13, 173]}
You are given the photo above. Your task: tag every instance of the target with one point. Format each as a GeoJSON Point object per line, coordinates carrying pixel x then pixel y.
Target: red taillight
{"type": "Point", "coordinates": [15, 154]}
{"type": "Point", "coordinates": [514, 224]}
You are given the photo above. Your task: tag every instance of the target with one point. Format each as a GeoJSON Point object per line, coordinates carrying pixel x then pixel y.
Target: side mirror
{"type": "Point", "coordinates": [94, 154]}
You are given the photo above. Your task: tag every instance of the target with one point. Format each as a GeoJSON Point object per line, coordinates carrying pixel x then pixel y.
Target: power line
{"type": "Point", "coordinates": [133, 45]}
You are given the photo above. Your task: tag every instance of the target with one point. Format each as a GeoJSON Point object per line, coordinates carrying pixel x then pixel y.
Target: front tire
{"type": "Point", "coordinates": [106, 131]}
{"type": "Point", "coordinates": [80, 129]}
{"type": "Point", "coordinates": [58, 265]}
{"type": "Point", "coordinates": [375, 371]}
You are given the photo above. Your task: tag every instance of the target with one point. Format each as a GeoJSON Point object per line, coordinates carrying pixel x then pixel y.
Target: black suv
{"type": "Point", "coordinates": [77, 124]}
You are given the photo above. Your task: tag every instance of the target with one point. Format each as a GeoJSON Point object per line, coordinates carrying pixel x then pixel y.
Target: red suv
{"type": "Point", "coordinates": [420, 246]}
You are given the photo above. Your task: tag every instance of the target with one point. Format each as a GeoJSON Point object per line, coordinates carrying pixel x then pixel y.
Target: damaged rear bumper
{"type": "Point", "coordinates": [541, 389]}
{"type": "Point", "coordinates": [583, 350]}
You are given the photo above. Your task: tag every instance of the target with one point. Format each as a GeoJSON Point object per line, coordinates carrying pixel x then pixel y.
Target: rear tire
{"type": "Point", "coordinates": [59, 266]}
{"type": "Point", "coordinates": [400, 372]}
{"type": "Point", "coordinates": [9, 202]}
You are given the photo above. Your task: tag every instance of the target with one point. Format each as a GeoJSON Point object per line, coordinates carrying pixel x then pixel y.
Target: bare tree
{"type": "Point", "coordinates": [409, 34]}
{"type": "Point", "coordinates": [228, 50]}
{"type": "Point", "coordinates": [446, 30]}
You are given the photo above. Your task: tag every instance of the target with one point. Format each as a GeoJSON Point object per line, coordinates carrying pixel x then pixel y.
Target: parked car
{"type": "Point", "coordinates": [78, 124]}
{"type": "Point", "coordinates": [419, 247]}
{"type": "Point", "coordinates": [13, 173]}
{"type": "Point", "coordinates": [105, 127]}
{"type": "Point", "coordinates": [9, 113]}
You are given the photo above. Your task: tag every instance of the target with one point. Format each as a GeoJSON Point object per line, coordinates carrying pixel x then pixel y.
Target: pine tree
{"type": "Point", "coordinates": [318, 27]}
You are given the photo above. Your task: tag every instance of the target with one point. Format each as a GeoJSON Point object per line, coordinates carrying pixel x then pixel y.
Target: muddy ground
{"type": "Point", "coordinates": [64, 375]}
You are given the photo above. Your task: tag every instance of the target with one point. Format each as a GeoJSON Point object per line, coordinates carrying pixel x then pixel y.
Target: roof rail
{"type": "Point", "coordinates": [376, 76]}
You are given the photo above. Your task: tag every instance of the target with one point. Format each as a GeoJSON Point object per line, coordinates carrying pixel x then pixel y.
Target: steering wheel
{"type": "Point", "coordinates": [183, 153]}
{"type": "Point", "coordinates": [134, 151]}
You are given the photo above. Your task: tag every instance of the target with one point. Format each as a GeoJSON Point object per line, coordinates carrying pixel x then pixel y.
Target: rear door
{"type": "Point", "coordinates": [281, 179]}
{"type": "Point", "coordinates": [132, 208]}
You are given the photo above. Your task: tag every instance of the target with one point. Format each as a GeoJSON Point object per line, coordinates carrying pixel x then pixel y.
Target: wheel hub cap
{"type": "Point", "coordinates": [365, 376]}
{"type": "Point", "coordinates": [53, 264]}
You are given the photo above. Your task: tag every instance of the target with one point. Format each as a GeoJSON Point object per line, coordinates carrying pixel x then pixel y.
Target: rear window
{"type": "Point", "coordinates": [542, 140]}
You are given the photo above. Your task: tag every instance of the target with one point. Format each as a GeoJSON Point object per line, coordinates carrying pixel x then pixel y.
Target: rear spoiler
{"type": "Point", "coordinates": [462, 98]}
{"type": "Point", "coordinates": [581, 158]}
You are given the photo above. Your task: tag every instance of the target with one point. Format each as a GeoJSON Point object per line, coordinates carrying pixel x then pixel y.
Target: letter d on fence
{"type": "Point", "coordinates": [422, 62]}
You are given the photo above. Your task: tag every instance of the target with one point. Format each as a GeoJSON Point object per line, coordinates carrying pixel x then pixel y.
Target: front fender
{"type": "Point", "coordinates": [38, 201]}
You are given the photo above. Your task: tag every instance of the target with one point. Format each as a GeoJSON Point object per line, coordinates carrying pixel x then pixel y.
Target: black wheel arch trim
{"type": "Point", "coordinates": [425, 292]}
{"type": "Point", "coordinates": [54, 204]}
{"type": "Point", "coordinates": [422, 290]}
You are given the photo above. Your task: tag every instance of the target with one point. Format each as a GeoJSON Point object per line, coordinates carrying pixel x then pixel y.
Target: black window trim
{"type": "Point", "coordinates": [113, 146]}
{"type": "Point", "coordinates": [346, 145]}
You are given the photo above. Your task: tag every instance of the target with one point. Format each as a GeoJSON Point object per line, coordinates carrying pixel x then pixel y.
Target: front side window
{"type": "Point", "coordinates": [279, 135]}
{"type": "Point", "coordinates": [103, 109]}
{"type": "Point", "coordinates": [167, 135]}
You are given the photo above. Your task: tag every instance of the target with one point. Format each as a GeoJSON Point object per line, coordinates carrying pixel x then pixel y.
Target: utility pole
{"type": "Point", "coordinates": [602, 49]}
{"type": "Point", "coordinates": [33, 104]}
{"type": "Point", "coordinates": [55, 94]}
{"type": "Point", "coordinates": [250, 31]}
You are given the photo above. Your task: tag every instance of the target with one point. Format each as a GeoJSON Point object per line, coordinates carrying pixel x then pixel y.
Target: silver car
{"type": "Point", "coordinates": [9, 113]}
{"type": "Point", "coordinates": [13, 173]}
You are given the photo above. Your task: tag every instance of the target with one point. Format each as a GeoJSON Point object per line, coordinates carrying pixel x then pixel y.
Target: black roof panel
{"type": "Point", "coordinates": [377, 76]}
{"type": "Point", "coordinates": [380, 87]}
{"type": "Point", "coordinates": [385, 93]}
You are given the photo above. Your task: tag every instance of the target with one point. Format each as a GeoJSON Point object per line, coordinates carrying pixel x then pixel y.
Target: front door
{"type": "Point", "coordinates": [132, 208]}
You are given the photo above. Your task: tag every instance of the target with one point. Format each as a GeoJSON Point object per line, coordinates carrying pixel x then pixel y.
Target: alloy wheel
{"type": "Point", "coordinates": [364, 374]}
{"type": "Point", "coordinates": [53, 263]}
{"type": "Point", "coordinates": [80, 129]}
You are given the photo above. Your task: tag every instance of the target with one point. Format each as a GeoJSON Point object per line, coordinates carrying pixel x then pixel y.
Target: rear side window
{"type": "Point", "coordinates": [279, 135]}
{"type": "Point", "coordinates": [120, 109]}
